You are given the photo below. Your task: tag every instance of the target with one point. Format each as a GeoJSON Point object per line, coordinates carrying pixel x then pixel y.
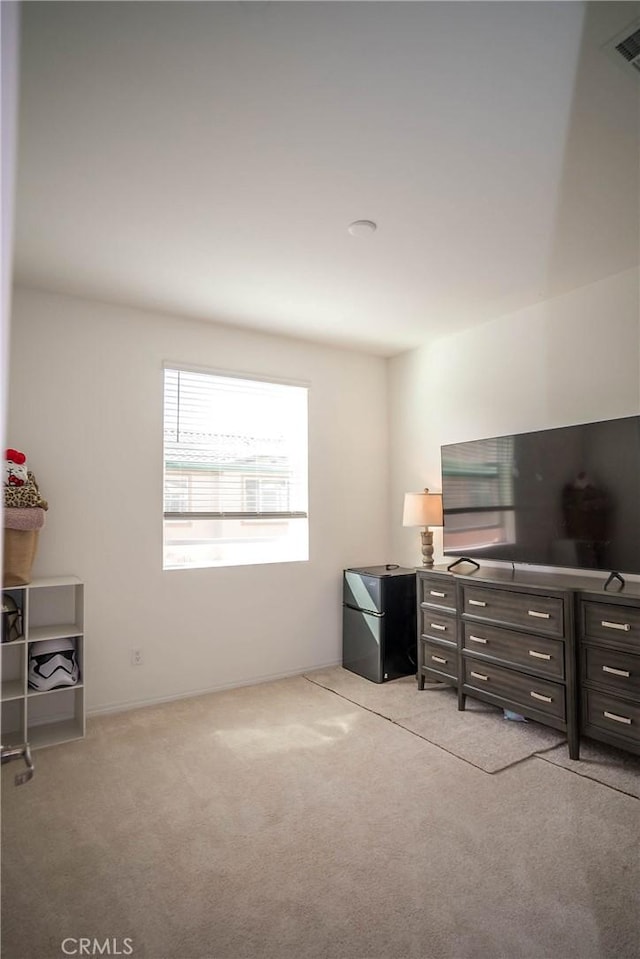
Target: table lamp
{"type": "Point", "coordinates": [423, 509]}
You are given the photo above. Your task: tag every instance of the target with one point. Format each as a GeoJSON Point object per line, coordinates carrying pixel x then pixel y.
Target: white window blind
{"type": "Point", "coordinates": [235, 469]}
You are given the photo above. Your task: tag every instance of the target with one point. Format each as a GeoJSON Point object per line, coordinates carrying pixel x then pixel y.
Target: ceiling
{"type": "Point", "coordinates": [205, 159]}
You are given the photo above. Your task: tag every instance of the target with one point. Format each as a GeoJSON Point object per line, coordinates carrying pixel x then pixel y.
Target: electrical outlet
{"type": "Point", "coordinates": [136, 657]}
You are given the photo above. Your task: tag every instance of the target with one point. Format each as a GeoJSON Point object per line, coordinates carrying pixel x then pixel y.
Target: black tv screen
{"type": "Point", "coordinates": [560, 497]}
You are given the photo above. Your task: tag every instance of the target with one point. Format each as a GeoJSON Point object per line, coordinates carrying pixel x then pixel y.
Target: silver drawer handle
{"type": "Point", "coordinates": [617, 719]}
{"type": "Point", "coordinates": [434, 592]}
{"type": "Point", "coordinates": [616, 672]}
{"type": "Point", "coordinates": [624, 626]}
{"type": "Point", "coordinates": [439, 659]}
{"type": "Point", "coordinates": [536, 655]}
{"type": "Point", "coordinates": [478, 639]}
{"type": "Point", "coordinates": [545, 699]}
{"type": "Point", "coordinates": [438, 626]}
{"type": "Point", "coordinates": [484, 679]}
{"type": "Point", "coordinates": [476, 602]}
{"type": "Point", "coordinates": [533, 612]}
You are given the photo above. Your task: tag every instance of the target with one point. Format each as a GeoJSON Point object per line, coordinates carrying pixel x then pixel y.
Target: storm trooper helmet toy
{"type": "Point", "coordinates": [53, 664]}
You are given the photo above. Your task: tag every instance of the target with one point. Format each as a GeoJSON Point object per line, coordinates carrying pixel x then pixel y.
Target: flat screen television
{"type": "Point", "coordinates": [560, 497]}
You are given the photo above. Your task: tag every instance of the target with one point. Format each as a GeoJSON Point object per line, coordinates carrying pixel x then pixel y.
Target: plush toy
{"type": "Point", "coordinates": [15, 468]}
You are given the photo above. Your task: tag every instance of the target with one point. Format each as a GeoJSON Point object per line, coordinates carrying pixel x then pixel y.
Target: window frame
{"type": "Point", "coordinates": [258, 518]}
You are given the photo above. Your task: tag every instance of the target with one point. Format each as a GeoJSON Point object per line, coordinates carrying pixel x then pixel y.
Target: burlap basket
{"type": "Point", "coordinates": [20, 547]}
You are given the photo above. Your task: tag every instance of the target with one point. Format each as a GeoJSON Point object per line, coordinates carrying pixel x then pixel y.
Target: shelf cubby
{"type": "Point", "coordinates": [51, 608]}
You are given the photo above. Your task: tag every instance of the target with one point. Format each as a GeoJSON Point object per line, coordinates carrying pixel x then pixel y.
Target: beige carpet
{"type": "Point", "coordinates": [283, 822]}
{"type": "Point", "coordinates": [479, 734]}
{"type": "Point", "coordinates": [605, 764]}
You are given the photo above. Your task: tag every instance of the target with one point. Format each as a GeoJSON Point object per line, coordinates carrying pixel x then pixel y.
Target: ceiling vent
{"type": "Point", "coordinates": [625, 47]}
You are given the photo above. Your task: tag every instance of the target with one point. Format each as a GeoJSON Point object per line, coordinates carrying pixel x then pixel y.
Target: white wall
{"type": "Point", "coordinates": [9, 56]}
{"type": "Point", "coordinates": [86, 406]}
{"type": "Point", "coordinates": [573, 359]}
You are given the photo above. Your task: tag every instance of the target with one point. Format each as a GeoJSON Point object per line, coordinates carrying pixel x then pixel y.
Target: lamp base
{"type": "Point", "coordinates": [427, 547]}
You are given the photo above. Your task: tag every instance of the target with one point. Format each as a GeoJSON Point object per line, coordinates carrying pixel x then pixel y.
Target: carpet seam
{"type": "Point", "coordinates": [424, 738]}
{"type": "Point", "coordinates": [539, 754]}
{"type": "Point", "coordinates": [575, 772]}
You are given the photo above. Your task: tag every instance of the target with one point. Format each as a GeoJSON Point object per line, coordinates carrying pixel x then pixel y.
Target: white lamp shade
{"type": "Point", "coordinates": [422, 509]}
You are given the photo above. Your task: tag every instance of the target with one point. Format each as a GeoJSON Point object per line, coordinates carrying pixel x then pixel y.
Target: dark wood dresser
{"type": "Point", "coordinates": [609, 644]}
{"type": "Point", "coordinates": [437, 629]}
{"type": "Point", "coordinates": [555, 648]}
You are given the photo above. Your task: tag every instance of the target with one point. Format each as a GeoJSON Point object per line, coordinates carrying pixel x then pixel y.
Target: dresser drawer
{"type": "Point", "coordinates": [437, 590]}
{"type": "Point", "coordinates": [537, 653]}
{"type": "Point", "coordinates": [608, 667]}
{"type": "Point", "coordinates": [613, 715]}
{"type": "Point", "coordinates": [439, 625]}
{"type": "Point", "coordinates": [541, 614]}
{"type": "Point", "coordinates": [615, 624]}
{"type": "Point", "coordinates": [439, 658]}
{"type": "Point", "coordinates": [529, 691]}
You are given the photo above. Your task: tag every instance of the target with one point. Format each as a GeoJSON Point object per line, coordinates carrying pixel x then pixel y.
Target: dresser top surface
{"type": "Point", "coordinates": [594, 585]}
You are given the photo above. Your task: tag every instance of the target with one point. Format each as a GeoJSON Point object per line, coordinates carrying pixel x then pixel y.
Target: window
{"type": "Point", "coordinates": [235, 470]}
{"type": "Point", "coordinates": [266, 495]}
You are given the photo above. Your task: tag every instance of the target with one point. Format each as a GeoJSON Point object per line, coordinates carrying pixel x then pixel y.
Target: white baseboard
{"type": "Point", "coordinates": [190, 694]}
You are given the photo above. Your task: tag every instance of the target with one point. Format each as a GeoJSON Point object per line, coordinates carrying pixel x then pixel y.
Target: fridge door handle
{"type": "Point", "coordinates": [367, 612]}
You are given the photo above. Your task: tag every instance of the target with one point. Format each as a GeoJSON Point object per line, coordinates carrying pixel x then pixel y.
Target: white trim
{"type": "Point", "coordinates": [191, 694]}
{"type": "Point", "coordinates": [234, 374]}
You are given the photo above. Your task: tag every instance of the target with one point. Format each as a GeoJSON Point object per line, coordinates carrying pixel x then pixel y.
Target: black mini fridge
{"type": "Point", "coordinates": [379, 622]}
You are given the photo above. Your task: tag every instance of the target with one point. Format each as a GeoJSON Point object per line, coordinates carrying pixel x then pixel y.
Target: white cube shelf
{"type": "Point", "coordinates": [52, 608]}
